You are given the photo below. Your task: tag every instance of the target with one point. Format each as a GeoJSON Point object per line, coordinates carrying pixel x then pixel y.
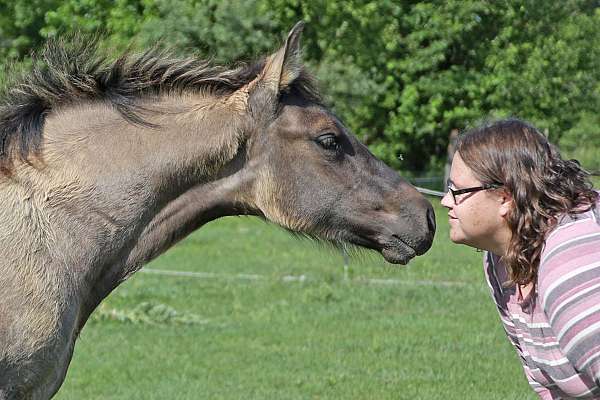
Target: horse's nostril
{"type": "Point", "coordinates": [431, 220]}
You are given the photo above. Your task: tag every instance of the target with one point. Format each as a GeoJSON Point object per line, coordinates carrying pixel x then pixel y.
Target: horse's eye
{"type": "Point", "coordinates": [328, 141]}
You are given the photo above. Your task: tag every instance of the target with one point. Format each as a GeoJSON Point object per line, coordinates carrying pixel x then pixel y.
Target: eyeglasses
{"type": "Point", "coordinates": [456, 192]}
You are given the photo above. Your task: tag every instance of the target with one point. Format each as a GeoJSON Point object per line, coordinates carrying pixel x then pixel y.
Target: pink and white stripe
{"type": "Point", "coordinates": [556, 331]}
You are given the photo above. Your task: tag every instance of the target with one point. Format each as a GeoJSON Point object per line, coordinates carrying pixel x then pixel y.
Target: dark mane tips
{"type": "Point", "coordinates": [74, 70]}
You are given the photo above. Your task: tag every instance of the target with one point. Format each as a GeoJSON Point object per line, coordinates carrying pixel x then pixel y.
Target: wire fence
{"type": "Point", "coordinates": [429, 185]}
{"type": "Point", "coordinates": [431, 192]}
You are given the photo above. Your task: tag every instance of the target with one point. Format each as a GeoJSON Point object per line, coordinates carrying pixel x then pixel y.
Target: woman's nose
{"type": "Point", "coordinates": [447, 200]}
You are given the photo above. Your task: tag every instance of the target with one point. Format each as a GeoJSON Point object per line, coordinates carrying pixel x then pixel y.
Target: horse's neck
{"type": "Point", "coordinates": [118, 194]}
{"type": "Point", "coordinates": [186, 137]}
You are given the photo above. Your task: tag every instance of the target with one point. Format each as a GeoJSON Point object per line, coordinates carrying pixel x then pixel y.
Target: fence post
{"type": "Point", "coordinates": [451, 150]}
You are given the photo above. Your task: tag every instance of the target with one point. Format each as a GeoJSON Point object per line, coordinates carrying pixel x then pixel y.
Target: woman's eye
{"type": "Point", "coordinates": [328, 141]}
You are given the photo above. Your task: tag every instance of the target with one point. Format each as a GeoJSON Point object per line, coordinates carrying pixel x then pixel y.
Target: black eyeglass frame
{"type": "Point", "coordinates": [471, 189]}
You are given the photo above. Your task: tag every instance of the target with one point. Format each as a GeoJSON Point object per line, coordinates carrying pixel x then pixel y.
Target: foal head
{"type": "Point", "coordinates": [313, 176]}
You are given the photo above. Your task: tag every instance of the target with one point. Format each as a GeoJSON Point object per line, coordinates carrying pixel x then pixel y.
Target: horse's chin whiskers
{"type": "Point", "coordinates": [333, 236]}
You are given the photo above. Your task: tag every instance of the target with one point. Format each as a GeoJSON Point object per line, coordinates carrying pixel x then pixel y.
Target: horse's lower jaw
{"type": "Point", "coordinates": [398, 253]}
{"type": "Point", "coordinates": [393, 249]}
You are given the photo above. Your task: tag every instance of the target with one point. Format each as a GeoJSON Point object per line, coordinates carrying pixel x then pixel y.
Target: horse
{"type": "Point", "coordinates": [105, 164]}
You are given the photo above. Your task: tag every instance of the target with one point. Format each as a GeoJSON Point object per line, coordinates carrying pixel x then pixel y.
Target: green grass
{"type": "Point", "coordinates": [331, 336]}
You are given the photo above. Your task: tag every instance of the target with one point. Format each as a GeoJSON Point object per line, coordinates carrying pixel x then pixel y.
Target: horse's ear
{"type": "Point", "coordinates": [280, 70]}
{"type": "Point", "coordinates": [283, 67]}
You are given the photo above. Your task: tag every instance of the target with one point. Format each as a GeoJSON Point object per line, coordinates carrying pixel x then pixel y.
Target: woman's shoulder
{"type": "Point", "coordinates": [571, 255]}
{"type": "Point", "coordinates": [571, 227]}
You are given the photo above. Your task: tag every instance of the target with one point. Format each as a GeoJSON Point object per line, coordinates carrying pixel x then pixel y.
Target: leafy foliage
{"type": "Point", "coordinates": [401, 74]}
{"type": "Point", "coordinates": [581, 142]}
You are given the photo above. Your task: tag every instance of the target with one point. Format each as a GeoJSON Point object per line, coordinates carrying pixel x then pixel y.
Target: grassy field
{"type": "Point", "coordinates": [273, 317]}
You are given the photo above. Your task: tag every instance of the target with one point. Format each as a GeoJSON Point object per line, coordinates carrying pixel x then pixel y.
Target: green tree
{"type": "Point", "coordinates": [224, 31]}
{"type": "Point", "coordinates": [117, 22]}
{"type": "Point", "coordinates": [582, 141]}
{"type": "Point", "coordinates": [21, 22]}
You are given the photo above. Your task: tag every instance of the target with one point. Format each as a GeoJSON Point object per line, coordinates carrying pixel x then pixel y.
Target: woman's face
{"type": "Point", "coordinates": [477, 219]}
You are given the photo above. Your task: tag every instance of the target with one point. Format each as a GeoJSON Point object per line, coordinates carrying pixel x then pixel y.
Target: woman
{"type": "Point", "coordinates": [537, 218]}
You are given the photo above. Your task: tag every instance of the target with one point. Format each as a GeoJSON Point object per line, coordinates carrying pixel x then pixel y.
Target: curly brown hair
{"type": "Point", "coordinates": [542, 184]}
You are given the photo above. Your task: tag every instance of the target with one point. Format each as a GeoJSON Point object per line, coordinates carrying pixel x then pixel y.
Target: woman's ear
{"type": "Point", "coordinates": [506, 203]}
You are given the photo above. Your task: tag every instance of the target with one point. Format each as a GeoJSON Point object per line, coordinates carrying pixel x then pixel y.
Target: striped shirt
{"type": "Point", "coordinates": [556, 329]}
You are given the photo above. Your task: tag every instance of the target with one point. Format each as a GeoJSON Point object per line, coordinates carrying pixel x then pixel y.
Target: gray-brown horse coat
{"type": "Point", "coordinates": [103, 172]}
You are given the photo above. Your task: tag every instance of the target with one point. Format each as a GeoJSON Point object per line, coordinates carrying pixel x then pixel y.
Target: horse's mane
{"type": "Point", "coordinates": [68, 72]}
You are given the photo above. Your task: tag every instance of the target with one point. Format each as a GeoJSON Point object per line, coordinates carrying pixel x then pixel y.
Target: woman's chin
{"type": "Point", "coordinates": [459, 239]}
{"type": "Point", "coordinates": [456, 237]}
